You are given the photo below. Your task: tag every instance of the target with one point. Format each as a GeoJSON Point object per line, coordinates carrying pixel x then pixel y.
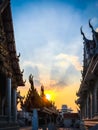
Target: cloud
{"type": "Point", "coordinates": [49, 39]}
{"type": "Point", "coordinates": [64, 67]}
{"type": "Point", "coordinates": [31, 68]}
{"type": "Point", "coordinates": [65, 60]}
{"type": "Point", "coordinates": [64, 78]}
{"type": "Point", "coordinates": [47, 34]}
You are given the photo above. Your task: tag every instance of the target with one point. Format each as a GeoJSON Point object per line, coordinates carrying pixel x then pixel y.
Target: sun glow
{"type": "Point", "coordinates": [48, 96]}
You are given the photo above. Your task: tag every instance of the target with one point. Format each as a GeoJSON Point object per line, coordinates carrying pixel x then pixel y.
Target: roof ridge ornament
{"type": "Point", "coordinates": [22, 71]}
{"type": "Point", "coordinates": [24, 81]}
{"type": "Point", "coordinates": [82, 33]}
{"type": "Point", "coordinates": [91, 25]}
{"type": "Point", "coordinates": [31, 81]}
{"type": "Point", "coordinates": [18, 55]}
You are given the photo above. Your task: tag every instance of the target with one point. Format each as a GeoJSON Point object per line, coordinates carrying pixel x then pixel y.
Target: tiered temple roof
{"type": "Point", "coordinates": [90, 64]}
{"type": "Point", "coordinates": [34, 100]}
{"type": "Point", "coordinates": [8, 56]}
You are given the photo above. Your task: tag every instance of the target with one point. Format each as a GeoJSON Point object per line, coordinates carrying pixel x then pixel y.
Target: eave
{"type": "Point", "coordinates": [90, 75]}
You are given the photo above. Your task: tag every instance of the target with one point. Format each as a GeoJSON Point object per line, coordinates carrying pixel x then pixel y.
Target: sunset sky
{"type": "Point", "coordinates": [47, 34]}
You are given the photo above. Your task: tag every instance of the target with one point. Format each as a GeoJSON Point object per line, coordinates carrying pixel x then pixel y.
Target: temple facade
{"type": "Point", "coordinates": [88, 91]}
{"type": "Point", "coordinates": [10, 73]}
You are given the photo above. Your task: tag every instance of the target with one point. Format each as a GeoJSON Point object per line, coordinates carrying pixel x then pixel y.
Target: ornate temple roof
{"type": "Point", "coordinates": [11, 59]}
{"type": "Point", "coordinates": [90, 64]}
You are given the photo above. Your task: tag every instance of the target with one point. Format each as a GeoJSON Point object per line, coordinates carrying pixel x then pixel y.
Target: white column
{"type": "Point", "coordinates": [8, 97]}
{"type": "Point", "coordinates": [14, 104]}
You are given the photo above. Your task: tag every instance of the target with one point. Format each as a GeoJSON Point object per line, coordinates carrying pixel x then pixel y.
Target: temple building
{"type": "Point", "coordinates": [35, 100]}
{"type": "Point", "coordinates": [47, 112]}
{"type": "Point", "coordinates": [10, 73]}
{"type": "Point", "coordinates": [88, 91]}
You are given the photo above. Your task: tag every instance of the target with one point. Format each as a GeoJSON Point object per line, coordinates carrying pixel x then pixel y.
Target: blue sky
{"type": "Point", "coordinates": [47, 34]}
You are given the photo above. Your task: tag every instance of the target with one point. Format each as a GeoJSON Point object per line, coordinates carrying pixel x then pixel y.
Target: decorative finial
{"type": "Point", "coordinates": [24, 81]}
{"type": "Point", "coordinates": [90, 25]}
{"type": "Point", "coordinates": [31, 81]}
{"type": "Point", "coordinates": [18, 55]}
{"type": "Point", "coordinates": [82, 32]}
{"type": "Point", "coordinates": [30, 77]}
{"type": "Point", "coordinates": [22, 71]}
{"type": "Point", "coordinates": [42, 90]}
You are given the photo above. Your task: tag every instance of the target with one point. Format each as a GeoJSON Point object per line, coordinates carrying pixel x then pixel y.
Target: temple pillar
{"type": "Point", "coordinates": [95, 101]}
{"type": "Point", "coordinates": [85, 110]}
{"type": "Point", "coordinates": [14, 105]}
{"type": "Point", "coordinates": [93, 104]}
{"type": "Point", "coordinates": [90, 105]}
{"type": "Point", "coordinates": [87, 107]}
{"type": "Point", "coordinates": [8, 98]}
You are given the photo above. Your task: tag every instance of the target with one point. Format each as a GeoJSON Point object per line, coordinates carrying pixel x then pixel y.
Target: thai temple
{"type": "Point", "coordinates": [46, 111]}
{"type": "Point", "coordinates": [10, 73]}
{"type": "Point", "coordinates": [88, 91]}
